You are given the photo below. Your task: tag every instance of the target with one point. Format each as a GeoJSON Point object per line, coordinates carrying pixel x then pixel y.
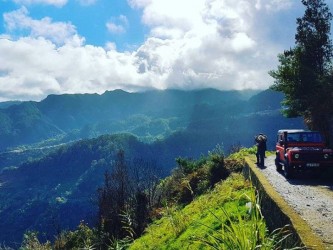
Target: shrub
{"type": "Point", "coordinates": [194, 177]}
{"type": "Point", "coordinates": [31, 242]}
{"type": "Point", "coordinates": [82, 238]}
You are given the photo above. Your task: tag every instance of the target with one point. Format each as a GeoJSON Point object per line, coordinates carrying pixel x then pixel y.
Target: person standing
{"type": "Point", "coordinates": [261, 140]}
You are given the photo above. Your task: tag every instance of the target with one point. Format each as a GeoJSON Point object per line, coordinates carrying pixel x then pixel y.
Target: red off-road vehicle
{"type": "Point", "coordinates": [300, 150]}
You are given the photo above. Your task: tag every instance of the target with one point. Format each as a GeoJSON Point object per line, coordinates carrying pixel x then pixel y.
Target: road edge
{"type": "Point", "coordinates": [278, 213]}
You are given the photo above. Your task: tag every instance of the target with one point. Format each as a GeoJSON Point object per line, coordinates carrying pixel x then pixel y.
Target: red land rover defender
{"type": "Point", "coordinates": [299, 150]}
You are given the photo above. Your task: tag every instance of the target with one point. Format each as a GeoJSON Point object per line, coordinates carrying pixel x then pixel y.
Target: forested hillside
{"type": "Point", "coordinates": [191, 122]}
{"type": "Point", "coordinates": [59, 190]}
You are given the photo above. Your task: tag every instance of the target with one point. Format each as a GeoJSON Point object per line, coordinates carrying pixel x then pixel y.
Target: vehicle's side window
{"type": "Point", "coordinates": [290, 138]}
{"type": "Point", "coordinates": [295, 137]}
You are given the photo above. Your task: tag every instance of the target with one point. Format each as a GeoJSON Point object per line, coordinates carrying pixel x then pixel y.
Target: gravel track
{"type": "Point", "coordinates": [311, 197]}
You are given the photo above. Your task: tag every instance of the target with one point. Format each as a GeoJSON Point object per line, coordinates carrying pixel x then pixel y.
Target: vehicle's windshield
{"type": "Point", "coordinates": [304, 137]}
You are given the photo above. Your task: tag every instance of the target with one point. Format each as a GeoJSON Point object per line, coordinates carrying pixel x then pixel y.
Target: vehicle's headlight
{"type": "Point", "coordinates": [326, 156]}
{"type": "Point", "coordinates": [297, 156]}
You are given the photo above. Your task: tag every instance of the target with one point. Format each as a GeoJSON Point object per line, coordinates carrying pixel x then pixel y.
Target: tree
{"type": "Point", "coordinates": [127, 197]}
{"type": "Point", "coordinates": [305, 73]}
{"type": "Point", "coordinates": [113, 197]}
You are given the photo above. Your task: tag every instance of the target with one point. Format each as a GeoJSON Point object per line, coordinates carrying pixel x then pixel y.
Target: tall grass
{"type": "Point", "coordinates": [244, 232]}
{"type": "Point", "coordinates": [227, 217]}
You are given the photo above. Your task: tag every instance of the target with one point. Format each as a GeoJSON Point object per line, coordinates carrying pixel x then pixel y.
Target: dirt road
{"type": "Point", "coordinates": [311, 197]}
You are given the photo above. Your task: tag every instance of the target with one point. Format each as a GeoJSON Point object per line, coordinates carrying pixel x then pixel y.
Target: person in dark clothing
{"type": "Point", "coordinates": [261, 140]}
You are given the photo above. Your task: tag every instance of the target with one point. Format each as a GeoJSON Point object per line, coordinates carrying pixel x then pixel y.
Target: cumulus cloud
{"type": "Point", "coordinates": [58, 32]}
{"type": "Point", "coordinates": [36, 67]}
{"type": "Point", "coordinates": [225, 44]}
{"type": "Point", "coordinates": [214, 44]}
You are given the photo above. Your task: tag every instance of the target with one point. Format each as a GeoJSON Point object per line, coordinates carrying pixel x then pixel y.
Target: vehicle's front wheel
{"type": "Point", "coordinates": [288, 171]}
{"type": "Point", "coordinates": [277, 164]}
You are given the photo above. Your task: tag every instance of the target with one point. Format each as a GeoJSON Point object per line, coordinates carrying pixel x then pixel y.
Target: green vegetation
{"type": "Point", "coordinates": [200, 212]}
{"type": "Point", "coordinates": [57, 191]}
{"type": "Point", "coordinates": [201, 221]}
{"type": "Point", "coordinates": [226, 216]}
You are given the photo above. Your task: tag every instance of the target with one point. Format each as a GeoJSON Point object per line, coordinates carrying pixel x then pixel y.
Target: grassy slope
{"type": "Point", "coordinates": [187, 228]}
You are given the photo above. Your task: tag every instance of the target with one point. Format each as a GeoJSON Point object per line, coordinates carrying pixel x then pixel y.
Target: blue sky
{"type": "Point", "coordinates": [90, 46]}
{"type": "Point", "coordinates": [95, 20]}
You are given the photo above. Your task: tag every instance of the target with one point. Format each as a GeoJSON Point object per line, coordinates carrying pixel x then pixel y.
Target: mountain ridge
{"type": "Point", "coordinates": [29, 122]}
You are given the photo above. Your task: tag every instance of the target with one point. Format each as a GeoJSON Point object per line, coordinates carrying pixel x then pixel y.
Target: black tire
{"type": "Point", "coordinates": [278, 165]}
{"type": "Point", "coordinates": [288, 171]}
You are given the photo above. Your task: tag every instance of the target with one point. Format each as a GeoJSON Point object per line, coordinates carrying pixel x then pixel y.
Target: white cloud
{"type": "Point", "coordinates": [123, 19]}
{"type": "Point", "coordinates": [117, 25]}
{"type": "Point", "coordinates": [274, 5]}
{"type": "Point", "coordinates": [57, 32]}
{"type": "Point", "coordinates": [165, 17]}
{"type": "Point", "coordinates": [36, 67]}
{"type": "Point", "coordinates": [139, 3]}
{"type": "Point", "coordinates": [214, 44]}
{"type": "Point", "coordinates": [115, 28]}
{"type": "Point", "coordinates": [225, 44]}
{"type": "Point", "coordinates": [58, 3]}
{"type": "Point", "coordinates": [242, 42]}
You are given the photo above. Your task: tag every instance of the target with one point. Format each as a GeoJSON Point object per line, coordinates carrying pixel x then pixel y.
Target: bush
{"type": "Point", "coordinates": [194, 177]}
{"type": "Point", "coordinates": [82, 238]}
{"type": "Point", "coordinates": [31, 242]}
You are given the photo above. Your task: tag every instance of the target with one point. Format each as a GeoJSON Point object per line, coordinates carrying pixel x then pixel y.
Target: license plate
{"type": "Point", "coordinates": [312, 164]}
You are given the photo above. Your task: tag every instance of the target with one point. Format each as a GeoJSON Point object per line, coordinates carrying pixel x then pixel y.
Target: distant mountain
{"type": "Point", "coordinates": [266, 100]}
{"type": "Point", "coordinates": [8, 104]}
{"type": "Point", "coordinates": [72, 116]}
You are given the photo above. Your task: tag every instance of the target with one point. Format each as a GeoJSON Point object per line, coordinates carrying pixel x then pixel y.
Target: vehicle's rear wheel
{"type": "Point", "coordinates": [288, 171]}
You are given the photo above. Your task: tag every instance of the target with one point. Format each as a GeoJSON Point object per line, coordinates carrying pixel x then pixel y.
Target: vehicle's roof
{"type": "Point", "coordinates": [294, 130]}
